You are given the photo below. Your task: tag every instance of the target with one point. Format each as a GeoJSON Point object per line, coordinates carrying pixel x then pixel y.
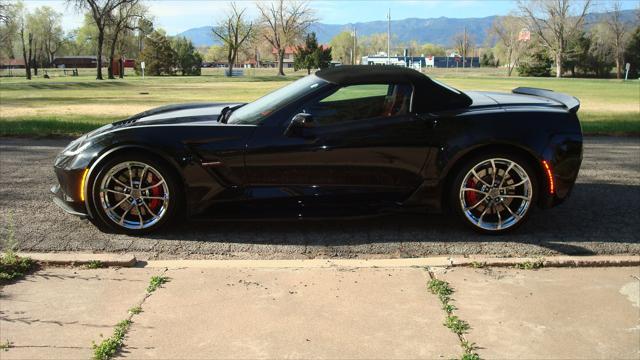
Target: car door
{"type": "Point", "coordinates": [354, 144]}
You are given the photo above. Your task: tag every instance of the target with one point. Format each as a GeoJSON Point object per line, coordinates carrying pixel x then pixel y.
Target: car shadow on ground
{"type": "Point", "coordinates": [595, 213]}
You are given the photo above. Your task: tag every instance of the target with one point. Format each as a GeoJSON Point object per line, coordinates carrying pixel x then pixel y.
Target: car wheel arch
{"type": "Point", "coordinates": [450, 172]}
{"type": "Point", "coordinates": [123, 149]}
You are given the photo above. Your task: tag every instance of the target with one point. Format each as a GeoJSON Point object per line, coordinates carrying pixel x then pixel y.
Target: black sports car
{"type": "Point", "coordinates": [350, 140]}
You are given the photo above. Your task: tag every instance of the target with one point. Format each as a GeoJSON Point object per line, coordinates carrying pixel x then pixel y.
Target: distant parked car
{"type": "Point", "coordinates": [349, 140]}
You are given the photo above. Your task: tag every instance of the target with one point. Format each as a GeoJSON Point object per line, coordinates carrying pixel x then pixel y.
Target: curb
{"type": "Point", "coordinates": [472, 261]}
{"type": "Point", "coordinates": [121, 260]}
{"type": "Point", "coordinates": [552, 261]}
{"type": "Point", "coordinates": [127, 260]}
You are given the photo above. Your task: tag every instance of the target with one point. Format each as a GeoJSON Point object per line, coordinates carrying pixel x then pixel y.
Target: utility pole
{"type": "Point", "coordinates": [389, 37]}
{"type": "Point", "coordinates": [355, 44]}
{"type": "Point", "coordinates": [464, 48]}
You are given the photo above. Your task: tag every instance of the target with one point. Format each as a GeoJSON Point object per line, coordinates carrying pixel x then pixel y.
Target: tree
{"type": "Point", "coordinates": [284, 23]}
{"type": "Point", "coordinates": [539, 64]}
{"type": "Point", "coordinates": [432, 50]}
{"type": "Point", "coordinates": [46, 24]}
{"type": "Point", "coordinates": [233, 31]}
{"type": "Point", "coordinates": [507, 30]}
{"type": "Point", "coordinates": [554, 22]}
{"type": "Point", "coordinates": [8, 28]}
{"type": "Point", "coordinates": [100, 11]}
{"type": "Point", "coordinates": [342, 46]}
{"type": "Point", "coordinates": [371, 45]}
{"type": "Point", "coordinates": [188, 59]}
{"type": "Point", "coordinates": [632, 53]}
{"type": "Point", "coordinates": [618, 32]}
{"type": "Point", "coordinates": [27, 55]}
{"type": "Point", "coordinates": [462, 43]}
{"type": "Point", "coordinates": [158, 56]}
{"type": "Point", "coordinates": [577, 55]}
{"type": "Point", "coordinates": [601, 52]}
{"type": "Point", "coordinates": [311, 56]}
{"type": "Point", "coordinates": [215, 53]}
{"type": "Point", "coordinates": [124, 17]}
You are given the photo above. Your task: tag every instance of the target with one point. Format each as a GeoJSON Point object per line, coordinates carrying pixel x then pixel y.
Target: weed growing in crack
{"type": "Point", "coordinates": [5, 345]}
{"type": "Point", "coordinates": [440, 288]}
{"type": "Point", "coordinates": [449, 308]}
{"type": "Point", "coordinates": [135, 310]}
{"type": "Point", "coordinates": [95, 264]}
{"type": "Point", "coordinates": [156, 282]}
{"type": "Point", "coordinates": [531, 265]}
{"type": "Point", "coordinates": [110, 346]}
{"type": "Point", "coordinates": [456, 325]}
{"type": "Point", "coordinates": [478, 265]}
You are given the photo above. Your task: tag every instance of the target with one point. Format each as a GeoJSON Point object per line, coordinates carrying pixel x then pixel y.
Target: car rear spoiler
{"type": "Point", "coordinates": [571, 103]}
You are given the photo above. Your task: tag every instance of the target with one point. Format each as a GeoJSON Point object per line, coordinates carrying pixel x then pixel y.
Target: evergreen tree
{"type": "Point", "coordinates": [188, 59]}
{"type": "Point", "coordinates": [632, 54]}
{"type": "Point", "coordinates": [538, 65]}
{"type": "Point", "coordinates": [159, 57]}
{"type": "Point", "coordinates": [311, 56]}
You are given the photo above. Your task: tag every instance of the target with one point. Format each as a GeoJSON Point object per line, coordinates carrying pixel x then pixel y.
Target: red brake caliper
{"type": "Point", "coordinates": [471, 196]}
{"type": "Point", "coordinates": [155, 191]}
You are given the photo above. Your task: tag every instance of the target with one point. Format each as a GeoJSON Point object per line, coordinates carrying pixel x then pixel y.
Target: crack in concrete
{"type": "Point", "coordinates": [132, 314]}
{"type": "Point", "coordinates": [467, 347]}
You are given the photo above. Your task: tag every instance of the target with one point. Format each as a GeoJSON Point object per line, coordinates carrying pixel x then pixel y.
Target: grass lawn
{"type": "Point", "coordinates": [74, 105]}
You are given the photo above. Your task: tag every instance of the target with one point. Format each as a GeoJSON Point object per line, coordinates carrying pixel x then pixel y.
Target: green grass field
{"type": "Point", "coordinates": [70, 106]}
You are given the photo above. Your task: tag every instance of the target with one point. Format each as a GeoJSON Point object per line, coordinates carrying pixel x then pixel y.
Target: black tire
{"type": "Point", "coordinates": [173, 201]}
{"type": "Point", "coordinates": [459, 198]}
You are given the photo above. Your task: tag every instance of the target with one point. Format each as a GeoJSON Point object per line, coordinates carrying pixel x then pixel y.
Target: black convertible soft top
{"type": "Point", "coordinates": [358, 74]}
{"type": "Point", "coordinates": [430, 95]}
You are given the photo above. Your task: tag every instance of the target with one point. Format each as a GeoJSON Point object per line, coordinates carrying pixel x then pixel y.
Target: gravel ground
{"type": "Point", "coordinates": [601, 217]}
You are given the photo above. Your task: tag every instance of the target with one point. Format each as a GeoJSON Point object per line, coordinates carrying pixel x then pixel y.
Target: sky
{"type": "Point", "coordinates": [177, 16]}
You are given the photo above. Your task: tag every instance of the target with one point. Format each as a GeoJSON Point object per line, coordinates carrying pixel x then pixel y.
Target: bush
{"type": "Point", "coordinates": [538, 65]}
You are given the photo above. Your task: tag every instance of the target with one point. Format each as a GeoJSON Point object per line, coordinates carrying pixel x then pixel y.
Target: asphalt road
{"type": "Point", "coordinates": [601, 217]}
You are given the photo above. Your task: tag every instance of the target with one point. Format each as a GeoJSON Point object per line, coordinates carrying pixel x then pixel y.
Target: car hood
{"type": "Point", "coordinates": [181, 113]}
{"type": "Point", "coordinates": [168, 115]}
{"type": "Point", "coordinates": [494, 99]}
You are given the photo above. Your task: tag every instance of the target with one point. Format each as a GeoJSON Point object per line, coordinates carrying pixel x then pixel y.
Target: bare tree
{"type": "Point", "coordinates": [100, 11]}
{"type": "Point", "coordinates": [125, 17]}
{"type": "Point", "coordinates": [618, 30]}
{"type": "Point", "coordinates": [26, 56]}
{"type": "Point", "coordinates": [555, 22]}
{"type": "Point", "coordinates": [233, 32]}
{"type": "Point", "coordinates": [463, 42]}
{"type": "Point", "coordinates": [4, 12]}
{"type": "Point", "coordinates": [507, 30]}
{"type": "Point", "coordinates": [284, 24]}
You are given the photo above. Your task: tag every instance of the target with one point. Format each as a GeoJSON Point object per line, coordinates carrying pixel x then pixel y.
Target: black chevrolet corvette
{"type": "Point", "coordinates": [347, 141]}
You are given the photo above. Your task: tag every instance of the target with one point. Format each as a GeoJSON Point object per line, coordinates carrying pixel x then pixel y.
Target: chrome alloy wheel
{"type": "Point", "coordinates": [496, 194]}
{"type": "Point", "coordinates": [134, 195]}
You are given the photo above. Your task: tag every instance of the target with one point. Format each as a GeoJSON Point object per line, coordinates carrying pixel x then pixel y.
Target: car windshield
{"type": "Point", "coordinates": [253, 113]}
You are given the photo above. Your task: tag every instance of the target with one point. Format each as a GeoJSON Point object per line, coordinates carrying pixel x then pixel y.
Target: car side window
{"type": "Point", "coordinates": [359, 102]}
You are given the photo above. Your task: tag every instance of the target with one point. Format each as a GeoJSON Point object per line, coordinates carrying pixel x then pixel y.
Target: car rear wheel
{"type": "Point", "coordinates": [134, 195]}
{"type": "Point", "coordinates": [493, 193]}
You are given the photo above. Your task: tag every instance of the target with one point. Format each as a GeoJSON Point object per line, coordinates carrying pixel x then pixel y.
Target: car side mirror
{"type": "Point", "coordinates": [299, 123]}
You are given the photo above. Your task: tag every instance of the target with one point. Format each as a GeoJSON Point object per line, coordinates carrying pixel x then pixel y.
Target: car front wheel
{"type": "Point", "coordinates": [134, 195]}
{"type": "Point", "coordinates": [493, 193]}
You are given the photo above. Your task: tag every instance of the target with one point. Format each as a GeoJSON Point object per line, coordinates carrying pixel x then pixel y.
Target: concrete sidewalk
{"type": "Point", "coordinates": [334, 312]}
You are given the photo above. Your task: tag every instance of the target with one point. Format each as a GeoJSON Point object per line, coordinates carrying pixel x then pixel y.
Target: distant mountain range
{"type": "Point", "coordinates": [435, 30]}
